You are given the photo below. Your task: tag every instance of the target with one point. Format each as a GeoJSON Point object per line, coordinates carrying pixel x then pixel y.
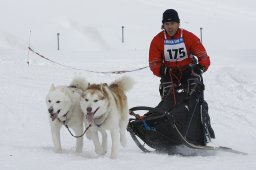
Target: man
{"type": "Point", "coordinates": [171, 57]}
{"type": "Point", "coordinates": [173, 50]}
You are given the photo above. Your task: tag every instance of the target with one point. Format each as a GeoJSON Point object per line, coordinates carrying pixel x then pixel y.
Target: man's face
{"type": "Point", "coordinates": [171, 27]}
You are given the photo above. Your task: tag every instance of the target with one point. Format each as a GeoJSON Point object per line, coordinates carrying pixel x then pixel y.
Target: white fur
{"type": "Point", "coordinates": [65, 99]}
{"type": "Point", "coordinates": [109, 114]}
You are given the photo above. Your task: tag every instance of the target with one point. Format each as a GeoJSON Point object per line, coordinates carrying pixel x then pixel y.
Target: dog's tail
{"type": "Point", "coordinates": [125, 83]}
{"type": "Point", "coordinates": [80, 83]}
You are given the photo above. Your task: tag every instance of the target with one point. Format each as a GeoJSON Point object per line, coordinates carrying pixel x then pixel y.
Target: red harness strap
{"type": "Point", "coordinates": [178, 80]}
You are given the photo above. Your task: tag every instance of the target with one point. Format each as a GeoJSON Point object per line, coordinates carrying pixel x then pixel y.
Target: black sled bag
{"type": "Point", "coordinates": [156, 127]}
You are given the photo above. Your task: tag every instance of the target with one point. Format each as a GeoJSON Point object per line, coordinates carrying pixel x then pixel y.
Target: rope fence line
{"type": "Point", "coordinates": [91, 71]}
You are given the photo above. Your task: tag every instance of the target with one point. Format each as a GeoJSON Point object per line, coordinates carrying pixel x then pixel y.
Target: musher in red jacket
{"type": "Point", "coordinates": [172, 57]}
{"type": "Point", "coordinates": [173, 50]}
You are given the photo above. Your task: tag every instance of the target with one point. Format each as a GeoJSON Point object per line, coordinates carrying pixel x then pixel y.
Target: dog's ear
{"type": "Point", "coordinates": [52, 87]}
{"type": "Point", "coordinates": [88, 85]}
{"type": "Point", "coordinates": [83, 94]}
{"type": "Point", "coordinates": [102, 86]}
{"type": "Point", "coordinates": [104, 89]}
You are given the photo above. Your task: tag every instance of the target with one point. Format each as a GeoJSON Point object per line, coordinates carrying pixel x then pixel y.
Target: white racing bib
{"type": "Point", "coordinates": [175, 50]}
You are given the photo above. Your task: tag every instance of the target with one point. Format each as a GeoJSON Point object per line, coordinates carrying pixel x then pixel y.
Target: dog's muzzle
{"type": "Point", "coordinates": [89, 109]}
{"type": "Point", "coordinates": [90, 114]}
{"type": "Point", "coordinates": [50, 110]}
{"type": "Point", "coordinates": [53, 115]}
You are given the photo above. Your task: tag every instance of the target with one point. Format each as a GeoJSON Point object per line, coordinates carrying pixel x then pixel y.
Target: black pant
{"type": "Point", "coordinates": [188, 91]}
{"type": "Point", "coordinates": [176, 80]}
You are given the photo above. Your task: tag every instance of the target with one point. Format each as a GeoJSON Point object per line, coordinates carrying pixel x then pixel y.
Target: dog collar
{"type": "Point", "coordinates": [66, 118]}
{"type": "Point", "coordinates": [100, 120]}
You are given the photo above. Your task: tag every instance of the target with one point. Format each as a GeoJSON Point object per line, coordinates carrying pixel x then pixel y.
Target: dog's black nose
{"type": "Point", "coordinates": [89, 109]}
{"type": "Point", "coordinates": [50, 110]}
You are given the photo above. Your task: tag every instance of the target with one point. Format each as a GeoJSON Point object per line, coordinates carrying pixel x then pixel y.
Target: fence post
{"type": "Point", "coordinates": [58, 40]}
{"type": "Point", "coordinates": [201, 35]}
{"type": "Point", "coordinates": [122, 34]}
{"type": "Point", "coordinates": [29, 46]}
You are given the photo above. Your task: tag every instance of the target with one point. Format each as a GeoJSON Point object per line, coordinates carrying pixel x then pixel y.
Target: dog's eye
{"type": "Point", "coordinates": [58, 101]}
{"type": "Point", "coordinates": [86, 100]}
{"type": "Point", "coordinates": [95, 101]}
{"type": "Point", "coordinates": [49, 101]}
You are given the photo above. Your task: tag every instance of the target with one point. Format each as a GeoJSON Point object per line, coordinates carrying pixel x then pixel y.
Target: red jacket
{"type": "Point", "coordinates": [193, 46]}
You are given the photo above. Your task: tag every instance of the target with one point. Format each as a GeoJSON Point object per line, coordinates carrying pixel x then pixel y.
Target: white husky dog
{"type": "Point", "coordinates": [106, 108]}
{"type": "Point", "coordinates": [64, 109]}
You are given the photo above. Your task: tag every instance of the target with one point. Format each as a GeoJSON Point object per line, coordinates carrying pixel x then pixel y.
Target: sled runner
{"type": "Point", "coordinates": [147, 131]}
{"type": "Point", "coordinates": [167, 126]}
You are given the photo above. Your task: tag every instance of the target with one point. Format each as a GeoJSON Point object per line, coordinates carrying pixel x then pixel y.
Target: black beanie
{"type": "Point", "coordinates": [170, 15]}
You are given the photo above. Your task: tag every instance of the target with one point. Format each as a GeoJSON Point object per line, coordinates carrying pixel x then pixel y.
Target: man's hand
{"type": "Point", "coordinates": [165, 71]}
{"type": "Point", "coordinates": [198, 69]}
{"type": "Point", "coordinates": [194, 69]}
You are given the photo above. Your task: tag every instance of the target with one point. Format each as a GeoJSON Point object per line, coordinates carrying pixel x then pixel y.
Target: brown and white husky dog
{"type": "Point", "coordinates": [106, 108]}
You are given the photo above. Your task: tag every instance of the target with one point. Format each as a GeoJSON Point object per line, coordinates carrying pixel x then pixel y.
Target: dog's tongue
{"type": "Point", "coordinates": [89, 117]}
{"type": "Point", "coordinates": [54, 116]}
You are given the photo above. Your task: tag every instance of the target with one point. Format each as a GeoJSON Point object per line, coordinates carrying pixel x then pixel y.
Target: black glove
{"type": "Point", "coordinates": [198, 69]}
{"type": "Point", "coordinates": [165, 71]}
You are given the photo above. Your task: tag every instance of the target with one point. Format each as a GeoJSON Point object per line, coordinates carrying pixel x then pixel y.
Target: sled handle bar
{"type": "Point", "coordinates": [151, 109]}
{"type": "Point", "coordinates": [160, 113]}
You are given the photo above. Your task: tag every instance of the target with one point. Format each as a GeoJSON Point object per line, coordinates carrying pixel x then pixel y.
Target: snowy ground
{"type": "Point", "coordinates": [91, 39]}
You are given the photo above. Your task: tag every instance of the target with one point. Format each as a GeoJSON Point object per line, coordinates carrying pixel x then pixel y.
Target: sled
{"type": "Point", "coordinates": [165, 127]}
{"type": "Point", "coordinates": [149, 136]}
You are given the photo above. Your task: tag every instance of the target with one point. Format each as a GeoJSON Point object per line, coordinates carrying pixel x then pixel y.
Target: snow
{"type": "Point", "coordinates": [90, 39]}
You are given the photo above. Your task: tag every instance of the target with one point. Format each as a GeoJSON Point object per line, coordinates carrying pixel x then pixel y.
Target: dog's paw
{"type": "Point", "coordinates": [104, 150]}
{"type": "Point", "coordinates": [113, 156]}
{"type": "Point", "coordinates": [58, 150]}
{"type": "Point", "coordinates": [79, 150]}
{"type": "Point", "coordinates": [99, 151]}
